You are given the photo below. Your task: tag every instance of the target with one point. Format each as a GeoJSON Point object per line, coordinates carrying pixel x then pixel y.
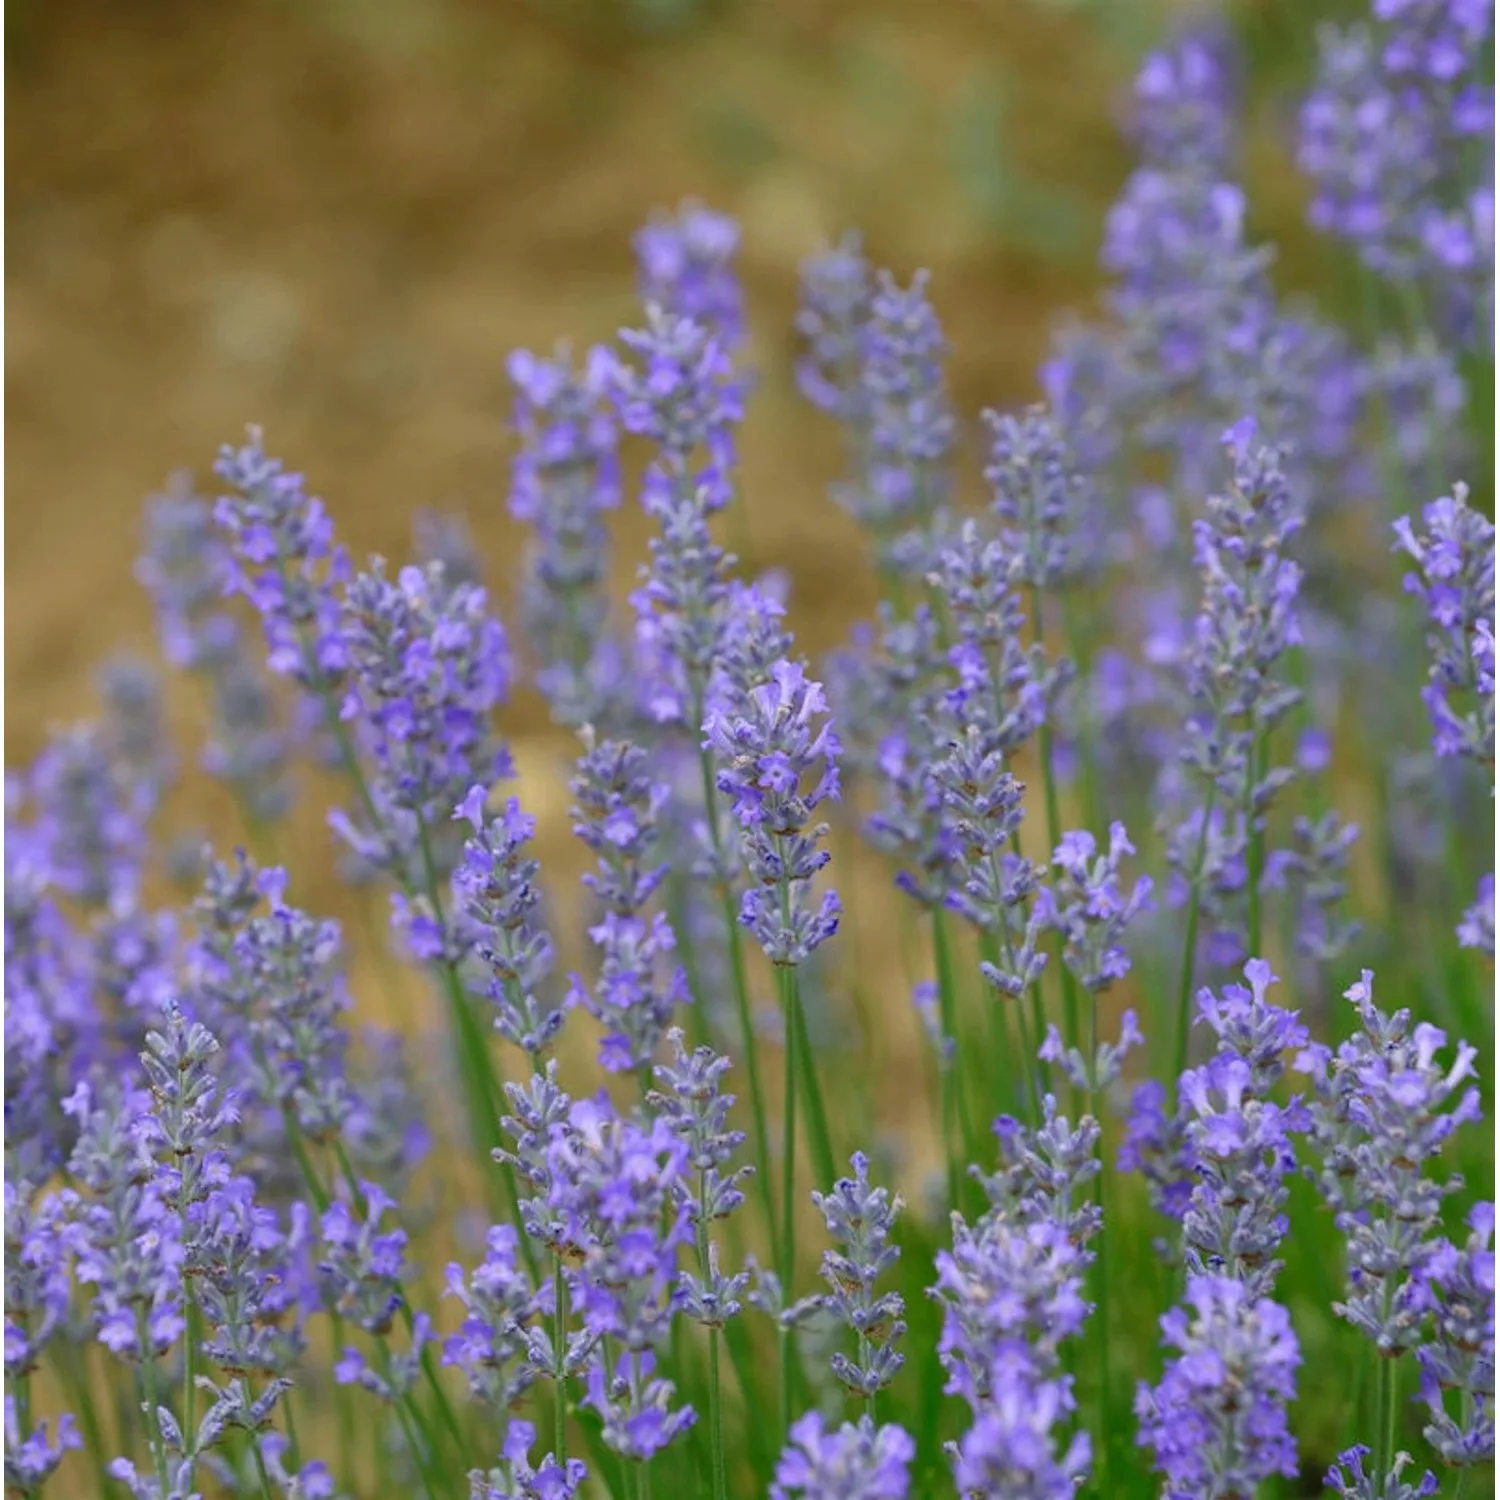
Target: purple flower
{"type": "Point", "coordinates": [1011, 1293]}
{"type": "Point", "coordinates": [361, 1265]}
{"type": "Point", "coordinates": [686, 265]}
{"type": "Point", "coordinates": [677, 387]}
{"type": "Point", "coordinates": [1391, 140]}
{"type": "Point", "coordinates": [834, 306]}
{"type": "Point", "coordinates": [766, 746]}
{"type": "Point", "coordinates": [498, 899]}
{"type": "Point", "coordinates": [283, 559]}
{"type": "Point", "coordinates": [1380, 1112]}
{"type": "Point", "coordinates": [1216, 1423]}
{"type": "Point", "coordinates": [615, 1187]}
{"type": "Point", "coordinates": [617, 812]}
{"type": "Point", "coordinates": [90, 833]}
{"type": "Point", "coordinates": [128, 1246]}
{"type": "Point", "coordinates": [689, 1100]}
{"type": "Point", "coordinates": [428, 665]}
{"type": "Point", "coordinates": [635, 1407]}
{"type": "Point", "coordinates": [1357, 1484]}
{"type": "Point", "coordinates": [858, 1462]}
{"type": "Point", "coordinates": [1458, 1283]}
{"type": "Point", "coordinates": [1044, 1174]}
{"type": "Point", "coordinates": [984, 808]}
{"type": "Point", "coordinates": [1036, 492]}
{"type": "Point", "coordinates": [272, 986]}
{"type": "Point", "coordinates": [1085, 904]}
{"type": "Point", "coordinates": [31, 1459]}
{"type": "Point", "coordinates": [859, 1219]}
{"type": "Point", "coordinates": [639, 989]}
{"type": "Point", "coordinates": [37, 1271]}
{"type": "Point", "coordinates": [1184, 117]}
{"type": "Point", "coordinates": [565, 480]}
{"type": "Point", "coordinates": [1455, 578]}
{"type": "Point", "coordinates": [1155, 1146]}
{"type": "Point", "coordinates": [1477, 930]}
{"type": "Point", "coordinates": [495, 1345]}
{"type": "Point", "coordinates": [516, 1479]}
{"type": "Point", "coordinates": [1011, 1449]}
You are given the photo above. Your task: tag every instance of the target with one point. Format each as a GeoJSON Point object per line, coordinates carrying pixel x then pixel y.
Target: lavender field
{"type": "Point", "coordinates": [1040, 1047]}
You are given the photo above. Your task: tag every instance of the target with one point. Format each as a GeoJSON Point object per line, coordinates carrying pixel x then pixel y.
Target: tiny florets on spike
{"type": "Point", "coordinates": [858, 1459]}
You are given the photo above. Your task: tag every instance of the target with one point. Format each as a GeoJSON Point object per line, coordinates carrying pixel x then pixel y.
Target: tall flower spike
{"type": "Point", "coordinates": [1216, 1423]}
{"type": "Point", "coordinates": [766, 746]}
{"type": "Point", "coordinates": [186, 566]}
{"type": "Point", "coordinates": [89, 828]}
{"type": "Point", "coordinates": [831, 316]}
{"type": "Point", "coordinates": [498, 898]}
{"type": "Point", "coordinates": [616, 1187]}
{"type": "Point", "coordinates": [565, 480]}
{"type": "Point", "coordinates": [1459, 1283]}
{"type": "Point", "coordinates": [1085, 904]}
{"type": "Point", "coordinates": [128, 1245]}
{"type": "Point", "coordinates": [639, 985]}
{"type": "Point", "coordinates": [686, 266]}
{"type": "Point", "coordinates": [984, 807]}
{"type": "Point", "coordinates": [517, 1479]}
{"type": "Point", "coordinates": [283, 559]}
{"type": "Point", "coordinates": [1036, 494]}
{"type": "Point", "coordinates": [1350, 1480]}
{"type": "Point", "coordinates": [1004, 688]}
{"type": "Point", "coordinates": [859, 1219]}
{"type": "Point", "coordinates": [1382, 1109]}
{"type": "Point", "coordinates": [1390, 138]}
{"type": "Point", "coordinates": [1246, 623]}
{"type": "Point", "coordinates": [1455, 578]}
{"type": "Point", "coordinates": [428, 665]}
{"type": "Point", "coordinates": [690, 1101]}
{"type": "Point", "coordinates": [857, 1462]}
{"type": "Point", "coordinates": [494, 1344]}
{"type": "Point", "coordinates": [910, 428]}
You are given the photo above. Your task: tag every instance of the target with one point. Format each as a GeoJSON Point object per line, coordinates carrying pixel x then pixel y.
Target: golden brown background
{"type": "Point", "coordinates": [335, 217]}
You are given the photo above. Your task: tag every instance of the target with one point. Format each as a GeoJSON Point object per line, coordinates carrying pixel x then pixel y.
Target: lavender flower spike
{"type": "Point", "coordinates": [858, 1462]}
{"type": "Point", "coordinates": [859, 1220]}
{"type": "Point", "coordinates": [498, 898]}
{"type": "Point", "coordinates": [1455, 578]}
{"type": "Point", "coordinates": [766, 746]}
{"type": "Point", "coordinates": [1350, 1481]}
{"type": "Point", "coordinates": [1216, 1424]}
{"type": "Point", "coordinates": [516, 1479]}
{"type": "Point", "coordinates": [687, 267]}
{"type": "Point", "coordinates": [565, 480]}
{"type": "Point", "coordinates": [283, 559]}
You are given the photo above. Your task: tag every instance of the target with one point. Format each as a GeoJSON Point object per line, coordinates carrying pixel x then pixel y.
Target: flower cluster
{"type": "Point", "coordinates": [766, 746]}
{"type": "Point", "coordinates": [859, 1219]}
{"type": "Point", "coordinates": [428, 665]}
{"type": "Point", "coordinates": [565, 482]}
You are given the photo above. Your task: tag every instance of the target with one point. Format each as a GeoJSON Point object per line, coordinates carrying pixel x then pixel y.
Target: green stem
{"type": "Point", "coordinates": [1257, 851]}
{"type": "Point", "coordinates": [818, 1138]}
{"type": "Point", "coordinates": [343, 1411]}
{"type": "Point", "coordinates": [788, 1203]}
{"type": "Point", "coordinates": [950, 1075]}
{"type": "Point", "coordinates": [715, 1406]}
{"type": "Point", "coordinates": [153, 1415]}
{"type": "Point", "coordinates": [1190, 948]}
{"type": "Point", "coordinates": [735, 942]}
{"type": "Point", "coordinates": [559, 1354]}
{"type": "Point", "coordinates": [1054, 838]}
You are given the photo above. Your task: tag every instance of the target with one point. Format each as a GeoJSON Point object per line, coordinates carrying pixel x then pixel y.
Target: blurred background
{"type": "Point", "coordinates": [334, 218]}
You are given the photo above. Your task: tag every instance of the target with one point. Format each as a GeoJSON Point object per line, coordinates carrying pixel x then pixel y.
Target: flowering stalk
{"type": "Point", "coordinates": [273, 520]}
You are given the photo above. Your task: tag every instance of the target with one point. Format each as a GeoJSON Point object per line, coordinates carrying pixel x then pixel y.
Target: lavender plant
{"type": "Point", "coordinates": [1173, 612]}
